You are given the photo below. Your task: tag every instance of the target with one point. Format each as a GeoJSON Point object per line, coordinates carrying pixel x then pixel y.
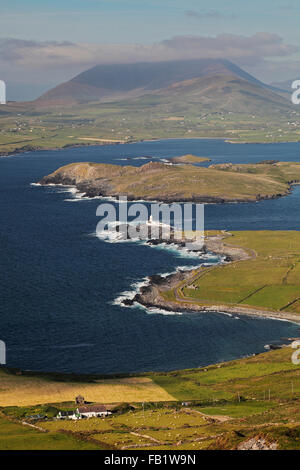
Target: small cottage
{"type": "Point", "coordinates": [67, 415]}
{"type": "Point", "coordinates": [94, 411]}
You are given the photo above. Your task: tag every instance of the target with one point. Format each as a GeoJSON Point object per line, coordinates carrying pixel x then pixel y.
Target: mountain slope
{"type": "Point", "coordinates": [121, 81]}
{"type": "Point", "coordinates": [214, 94]}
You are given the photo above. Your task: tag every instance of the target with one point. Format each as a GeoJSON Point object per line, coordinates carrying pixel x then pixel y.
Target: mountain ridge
{"type": "Point", "coordinates": [122, 81]}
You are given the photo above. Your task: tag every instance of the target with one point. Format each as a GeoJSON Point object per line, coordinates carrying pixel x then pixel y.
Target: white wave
{"type": "Point", "coordinates": [130, 294]}
{"type": "Point", "coordinates": [159, 311]}
{"type": "Point", "coordinates": [180, 251]}
{"type": "Point", "coordinates": [59, 185]}
{"type": "Point", "coordinates": [281, 319]}
{"type": "Point", "coordinates": [226, 314]}
{"type": "Point", "coordinates": [111, 235]}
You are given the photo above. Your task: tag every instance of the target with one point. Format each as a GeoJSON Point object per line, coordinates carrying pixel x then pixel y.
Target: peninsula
{"type": "Point", "coordinates": [179, 183]}
{"type": "Point", "coordinates": [260, 277]}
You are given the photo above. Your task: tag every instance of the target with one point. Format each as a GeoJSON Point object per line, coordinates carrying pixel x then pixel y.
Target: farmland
{"type": "Point", "coordinates": [261, 277]}
{"type": "Point", "coordinates": [224, 406]}
{"type": "Point", "coordinates": [15, 436]}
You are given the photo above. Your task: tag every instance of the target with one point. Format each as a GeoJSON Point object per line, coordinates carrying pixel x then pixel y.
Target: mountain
{"type": "Point", "coordinates": [122, 81]}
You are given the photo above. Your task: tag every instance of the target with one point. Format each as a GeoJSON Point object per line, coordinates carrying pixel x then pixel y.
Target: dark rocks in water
{"type": "Point", "coordinates": [128, 302]}
{"type": "Point", "coordinates": [173, 241]}
{"type": "Point", "coordinates": [156, 279]}
{"type": "Point", "coordinates": [273, 346]}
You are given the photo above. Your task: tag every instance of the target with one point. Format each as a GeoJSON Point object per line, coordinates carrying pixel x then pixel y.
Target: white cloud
{"type": "Point", "coordinates": [41, 65]}
{"type": "Point", "coordinates": [245, 50]}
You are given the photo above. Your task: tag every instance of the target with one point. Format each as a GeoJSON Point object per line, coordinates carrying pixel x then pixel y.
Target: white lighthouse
{"type": "Point", "coordinates": [2, 92]}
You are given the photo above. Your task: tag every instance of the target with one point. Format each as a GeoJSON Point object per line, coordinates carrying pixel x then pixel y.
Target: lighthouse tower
{"type": "Point", "coordinates": [2, 92]}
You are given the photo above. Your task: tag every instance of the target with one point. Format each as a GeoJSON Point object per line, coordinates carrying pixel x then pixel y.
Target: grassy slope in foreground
{"type": "Point", "coordinates": [157, 181]}
{"type": "Point", "coordinates": [214, 418]}
{"type": "Point", "coordinates": [269, 280]}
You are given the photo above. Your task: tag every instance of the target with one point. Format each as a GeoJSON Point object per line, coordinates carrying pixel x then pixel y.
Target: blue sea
{"type": "Point", "coordinates": [60, 285]}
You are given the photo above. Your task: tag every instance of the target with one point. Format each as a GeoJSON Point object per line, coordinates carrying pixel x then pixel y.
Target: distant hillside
{"type": "Point", "coordinates": [121, 81]}
{"type": "Point", "coordinates": [213, 94]}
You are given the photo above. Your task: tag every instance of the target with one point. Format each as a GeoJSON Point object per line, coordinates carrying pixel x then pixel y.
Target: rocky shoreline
{"type": "Point", "coordinates": [37, 148]}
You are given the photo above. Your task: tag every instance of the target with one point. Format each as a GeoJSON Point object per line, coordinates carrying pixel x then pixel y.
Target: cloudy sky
{"type": "Point", "coordinates": [43, 43]}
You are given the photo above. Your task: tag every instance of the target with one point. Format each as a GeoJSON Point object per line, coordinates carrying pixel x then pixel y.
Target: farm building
{"type": "Point", "coordinates": [93, 411]}
{"type": "Point", "coordinates": [67, 415]}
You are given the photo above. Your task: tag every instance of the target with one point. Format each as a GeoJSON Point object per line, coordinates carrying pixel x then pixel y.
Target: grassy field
{"type": "Point", "coordinates": [25, 390]}
{"type": "Point", "coordinates": [268, 280]}
{"type": "Point", "coordinates": [251, 378]}
{"type": "Point", "coordinates": [225, 406]}
{"type": "Point", "coordinates": [15, 436]}
{"type": "Point", "coordinates": [157, 181]}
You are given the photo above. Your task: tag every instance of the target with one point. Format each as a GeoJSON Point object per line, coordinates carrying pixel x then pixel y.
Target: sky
{"type": "Point", "coordinates": [43, 43]}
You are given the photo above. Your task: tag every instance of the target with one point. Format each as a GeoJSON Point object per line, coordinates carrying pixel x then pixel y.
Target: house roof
{"type": "Point", "coordinates": [92, 409]}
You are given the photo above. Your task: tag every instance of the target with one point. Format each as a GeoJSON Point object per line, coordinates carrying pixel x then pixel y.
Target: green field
{"type": "Point", "coordinates": [15, 436]}
{"type": "Point", "coordinates": [268, 280]}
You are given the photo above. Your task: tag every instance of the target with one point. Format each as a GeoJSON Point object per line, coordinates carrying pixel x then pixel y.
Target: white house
{"type": "Point", "coordinates": [94, 411]}
{"type": "Point", "coordinates": [68, 415]}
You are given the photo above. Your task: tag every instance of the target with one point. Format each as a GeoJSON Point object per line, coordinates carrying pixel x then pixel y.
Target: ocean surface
{"type": "Point", "coordinates": [60, 286]}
